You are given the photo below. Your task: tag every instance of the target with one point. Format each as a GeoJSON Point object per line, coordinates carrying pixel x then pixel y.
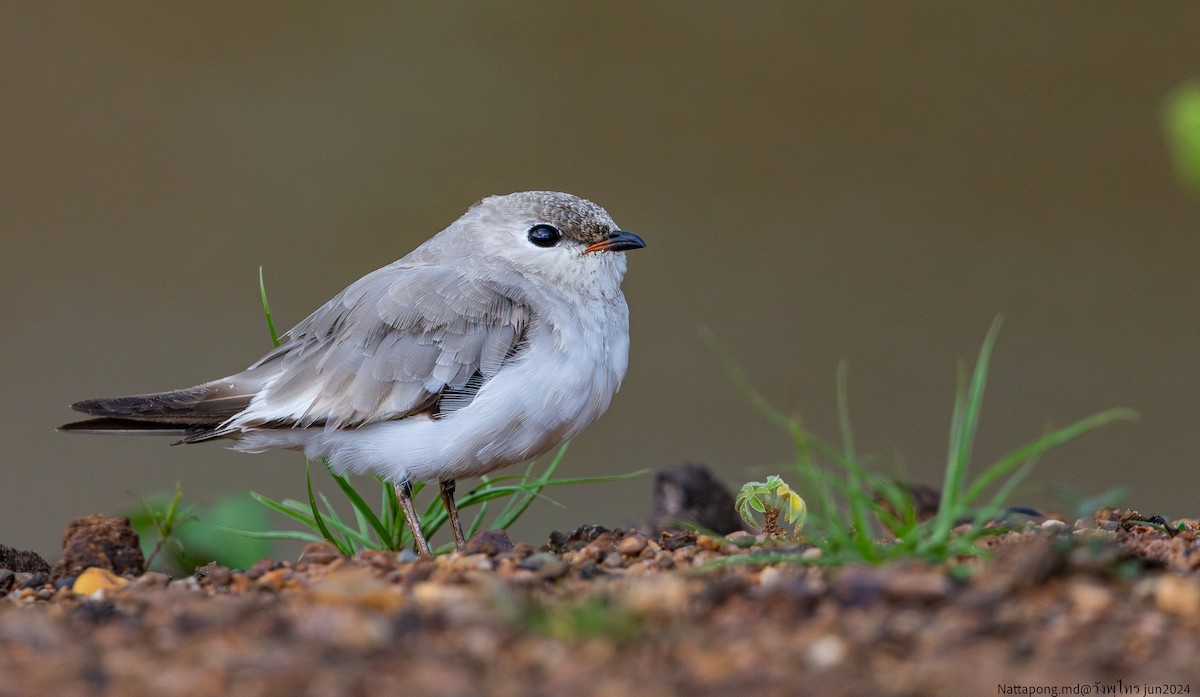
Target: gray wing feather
{"type": "Point", "coordinates": [391, 345]}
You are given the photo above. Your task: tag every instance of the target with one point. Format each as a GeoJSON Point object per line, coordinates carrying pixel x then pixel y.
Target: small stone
{"type": "Point", "coordinates": [273, 580]}
{"type": "Point", "coordinates": [359, 588]}
{"type": "Point", "coordinates": [545, 565]}
{"type": "Point", "coordinates": [739, 535]}
{"type": "Point", "coordinates": [36, 580]}
{"type": "Point", "coordinates": [671, 540]}
{"type": "Point", "coordinates": [614, 560]}
{"type": "Point", "coordinates": [489, 542]}
{"type": "Point", "coordinates": [1052, 524]}
{"type": "Point", "coordinates": [322, 552]}
{"type": "Point", "coordinates": [826, 652]}
{"type": "Point", "coordinates": [97, 579]}
{"type": "Point", "coordinates": [261, 567]}
{"type": "Point", "coordinates": [1177, 595]}
{"type": "Point", "coordinates": [8, 580]}
{"type": "Point", "coordinates": [632, 544]}
{"type": "Point", "coordinates": [1090, 600]}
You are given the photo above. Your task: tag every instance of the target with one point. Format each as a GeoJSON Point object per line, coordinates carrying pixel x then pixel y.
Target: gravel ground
{"type": "Point", "coordinates": [1098, 607]}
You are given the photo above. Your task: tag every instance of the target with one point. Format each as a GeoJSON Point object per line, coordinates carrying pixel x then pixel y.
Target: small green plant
{"type": "Point", "coordinates": [772, 499]}
{"type": "Point", "coordinates": [386, 528]}
{"type": "Point", "coordinates": [164, 519]}
{"type": "Point", "coordinates": [186, 536]}
{"type": "Point", "coordinates": [850, 501]}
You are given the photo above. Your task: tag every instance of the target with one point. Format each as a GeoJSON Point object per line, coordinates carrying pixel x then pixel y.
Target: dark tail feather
{"type": "Point", "coordinates": [126, 426]}
{"type": "Point", "coordinates": [194, 412]}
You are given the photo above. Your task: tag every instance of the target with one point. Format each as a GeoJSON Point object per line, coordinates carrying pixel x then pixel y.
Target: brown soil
{"type": "Point", "coordinates": [1057, 610]}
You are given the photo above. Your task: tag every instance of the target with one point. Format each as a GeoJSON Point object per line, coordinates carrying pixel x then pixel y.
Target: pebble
{"type": "Point", "coordinates": [95, 579]}
{"type": "Point", "coordinates": [489, 542]}
{"type": "Point", "coordinates": [545, 565]}
{"type": "Point", "coordinates": [826, 652]}
{"type": "Point", "coordinates": [1178, 595]}
{"type": "Point", "coordinates": [322, 552]}
{"type": "Point", "coordinates": [632, 544]}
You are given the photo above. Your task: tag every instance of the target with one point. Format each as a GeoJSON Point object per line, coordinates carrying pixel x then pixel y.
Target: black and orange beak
{"type": "Point", "coordinates": [617, 241]}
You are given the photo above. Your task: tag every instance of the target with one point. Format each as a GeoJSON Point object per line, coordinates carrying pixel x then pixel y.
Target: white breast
{"type": "Point", "coordinates": [563, 381]}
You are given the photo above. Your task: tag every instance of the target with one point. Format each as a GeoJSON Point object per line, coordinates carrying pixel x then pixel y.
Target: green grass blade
{"type": "Point", "coordinates": [316, 514]}
{"type": "Point", "coordinates": [859, 500]}
{"type": "Point", "coordinates": [1041, 445]}
{"type": "Point", "coordinates": [740, 380]}
{"type": "Point", "coordinates": [967, 421]}
{"type": "Point", "coordinates": [284, 509]}
{"type": "Point", "coordinates": [262, 290]}
{"type": "Point", "coordinates": [273, 534]}
{"type": "Point", "coordinates": [361, 509]}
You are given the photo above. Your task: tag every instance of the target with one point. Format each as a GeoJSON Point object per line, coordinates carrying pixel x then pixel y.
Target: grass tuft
{"type": "Point", "coordinates": [862, 516]}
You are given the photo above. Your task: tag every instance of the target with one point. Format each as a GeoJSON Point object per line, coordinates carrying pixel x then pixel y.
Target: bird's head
{"type": "Point", "coordinates": [546, 235]}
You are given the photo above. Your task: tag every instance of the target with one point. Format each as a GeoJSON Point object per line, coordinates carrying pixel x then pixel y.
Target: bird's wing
{"type": "Point", "coordinates": [400, 341]}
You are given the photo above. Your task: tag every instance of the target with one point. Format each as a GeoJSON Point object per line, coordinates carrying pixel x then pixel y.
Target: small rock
{"type": "Point", "coordinates": [489, 542]}
{"type": "Point", "coordinates": [359, 588]}
{"type": "Point", "coordinates": [826, 652]}
{"type": "Point", "coordinates": [545, 565]}
{"type": "Point", "coordinates": [322, 552]}
{"type": "Point", "coordinates": [35, 580]}
{"type": "Point", "coordinates": [691, 493]}
{"type": "Point", "coordinates": [1177, 595]}
{"type": "Point", "coordinates": [632, 544]}
{"type": "Point", "coordinates": [102, 542]}
{"type": "Point", "coordinates": [613, 560]}
{"type": "Point", "coordinates": [8, 580]}
{"type": "Point", "coordinates": [261, 567]}
{"type": "Point", "coordinates": [576, 539]}
{"type": "Point", "coordinates": [96, 579]}
{"type": "Point", "coordinates": [671, 540]}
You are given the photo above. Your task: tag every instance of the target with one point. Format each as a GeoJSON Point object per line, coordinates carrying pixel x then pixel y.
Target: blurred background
{"type": "Point", "coordinates": [816, 182]}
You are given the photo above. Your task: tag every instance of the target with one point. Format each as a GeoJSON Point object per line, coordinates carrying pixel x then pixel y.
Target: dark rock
{"type": "Point", "coordinates": [489, 542]}
{"type": "Point", "coordinates": [671, 540]}
{"type": "Point", "coordinates": [64, 582]}
{"type": "Point", "coordinates": [36, 580]}
{"type": "Point", "coordinates": [22, 560]}
{"type": "Point", "coordinates": [575, 540]}
{"type": "Point", "coordinates": [103, 542]}
{"type": "Point", "coordinates": [691, 494]}
{"type": "Point", "coordinates": [8, 579]}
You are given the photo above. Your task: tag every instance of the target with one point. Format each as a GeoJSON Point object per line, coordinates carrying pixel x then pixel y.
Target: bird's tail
{"type": "Point", "coordinates": [195, 413]}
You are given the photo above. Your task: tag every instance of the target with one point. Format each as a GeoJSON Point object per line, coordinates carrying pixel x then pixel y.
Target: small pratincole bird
{"type": "Point", "coordinates": [496, 340]}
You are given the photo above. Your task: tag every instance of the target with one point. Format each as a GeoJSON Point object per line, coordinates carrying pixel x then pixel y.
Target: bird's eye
{"type": "Point", "coordinates": [544, 235]}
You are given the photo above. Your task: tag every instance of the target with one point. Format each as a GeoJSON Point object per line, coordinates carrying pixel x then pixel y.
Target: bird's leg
{"type": "Point", "coordinates": [452, 512]}
{"type": "Point", "coordinates": [404, 491]}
